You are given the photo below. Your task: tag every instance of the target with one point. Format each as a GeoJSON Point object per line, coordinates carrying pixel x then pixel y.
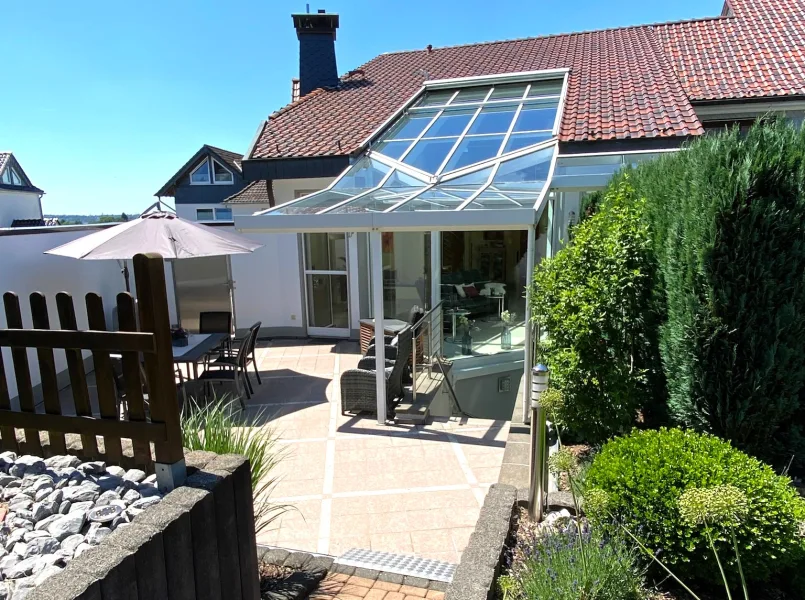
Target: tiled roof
{"type": "Point", "coordinates": [631, 82]}
{"type": "Point", "coordinates": [621, 86]}
{"type": "Point", "coordinates": [231, 158]}
{"type": "Point", "coordinates": [758, 52]}
{"type": "Point", "coordinates": [256, 192]}
{"type": "Point", "coordinates": [4, 156]}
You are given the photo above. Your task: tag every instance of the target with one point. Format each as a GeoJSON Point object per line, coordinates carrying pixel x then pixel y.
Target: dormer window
{"type": "Point", "coordinates": [220, 174]}
{"type": "Point", "coordinates": [11, 177]}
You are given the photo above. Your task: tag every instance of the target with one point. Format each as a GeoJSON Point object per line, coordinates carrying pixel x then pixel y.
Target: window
{"type": "Point", "coordinates": [223, 214]}
{"type": "Point", "coordinates": [205, 214]}
{"type": "Point", "coordinates": [201, 174]}
{"type": "Point", "coordinates": [220, 174]}
{"type": "Point", "coordinates": [11, 177]}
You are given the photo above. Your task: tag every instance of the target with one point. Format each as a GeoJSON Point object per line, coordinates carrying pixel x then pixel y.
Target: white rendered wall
{"type": "Point", "coordinates": [27, 269]}
{"type": "Point", "coordinates": [18, 205]}
{"type": "Point", "coordinates": [286, 190]}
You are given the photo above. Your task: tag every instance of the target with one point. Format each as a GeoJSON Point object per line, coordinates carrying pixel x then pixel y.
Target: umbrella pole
{"type": "Point", "coordinates": [125, 271]}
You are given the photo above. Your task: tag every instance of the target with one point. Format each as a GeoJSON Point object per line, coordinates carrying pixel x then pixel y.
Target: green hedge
{"type": "Point", "coordinates": [727, 220]}
{"type": "Point", "coordinates": [644, 474]}
{"type": "Point", "coordinates": [594, 298]}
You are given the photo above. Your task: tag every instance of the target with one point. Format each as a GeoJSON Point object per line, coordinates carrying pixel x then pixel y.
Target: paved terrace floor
{"type": "Point", "coordinates": [357, 484]}
{"type": "Point", "coordinates": [354, 483]}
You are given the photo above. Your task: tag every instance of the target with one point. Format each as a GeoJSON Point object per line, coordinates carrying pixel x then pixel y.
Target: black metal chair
{"type": "Point", "coordinates": [359, 386]}
{"type": "Point", "coordinates": [232, 357]}
{"type": "Point", "coordinates": [230, 373]}
{"type": "Point", "coordinates": [216, 321]}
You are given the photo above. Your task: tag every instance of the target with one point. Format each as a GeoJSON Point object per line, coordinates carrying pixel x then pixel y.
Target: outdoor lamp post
{"type": "Point", "coordinates": [540, 376]}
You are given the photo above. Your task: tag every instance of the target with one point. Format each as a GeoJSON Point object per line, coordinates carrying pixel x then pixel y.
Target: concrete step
{"type": "Point", "coordinates": [417, 411]}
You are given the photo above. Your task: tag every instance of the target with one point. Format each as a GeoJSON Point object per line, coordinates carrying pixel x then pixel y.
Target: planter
{"type": "Point", "coordinates": [466, 344]}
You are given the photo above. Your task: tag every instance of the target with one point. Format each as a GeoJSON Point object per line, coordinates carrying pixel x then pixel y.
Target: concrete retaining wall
{"type": "Point", "coordinates": [198, 543]}
{"type": "Point", "coordinates": [480, 563]}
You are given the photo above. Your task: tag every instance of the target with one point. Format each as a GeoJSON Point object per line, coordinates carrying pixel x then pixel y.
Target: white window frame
{"type": "Point", "coordinates": [209, 173]}
{"type": "Point", "coordinates": [211, 209]}
{"type": "Point", "coordinates": [212, 173]}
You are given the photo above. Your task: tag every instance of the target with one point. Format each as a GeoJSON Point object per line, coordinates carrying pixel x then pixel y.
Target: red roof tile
{"type": "Point", "coordinates": [632, 82]}
{"type": "Point", "coordinates": [255, 192]}
{"type": "Point", "coordinates": [757, 52]}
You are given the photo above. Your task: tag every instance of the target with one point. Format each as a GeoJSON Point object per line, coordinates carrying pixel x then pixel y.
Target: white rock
{"type": "Point", "coordinates": [48, 559]}
{"type": "Point", "coordinates": [22, 588]}
{"type": "Point", "coordinates": [151, 479]}
{"type": "Point", "coordinates": [22, 568]}
{"type": "Point", "coordinates": [106, 498]}
{"type": "Point", "coordinates": [131, 496]}
{"type": "Point", "coordinates": [39, 546]}
{"type": "Point", "coordinates": [19, 523]}
{"type": "Point", "coordinates": [6, 479]}
{"type": "Point", "coordinates": [45, 573]}
{"type": "Point", "coordinates": [67, 525]}
{"type": "Point", "coordinates": [64, 507]}
{"type": "Point", "coordinates": [81, 493]}
{"type": "Point", "coordinates": [42, 510]}
{"type": "Point", "coordinates": [56, 496]}
{"type": "Point", "coordinates": [135, 475]}
{"type": "Point", "coordinates": [32, 535]}
{"type": "Point", "coordinates": [144, 503]}
{"type": "Point", "coordinates": [16, 535]}
{"type": "Point", "coordinates": [69, 544]}
{"type": "Point", "coordinates": [82, 547]}
{"type": "Point", "coordinates": [20, 502]}
{"type": "Point", "coordinates": [4, 591]}
{"type": "Point", "coordinates": [61, 462]}
{"type": "Point", "coordinates": [20, 549]}
{"type": "Point", "coordinates": [96, 533]}
{"type": "Point", "coordinates": [27, 465]}
{"type": "Point", "coordinates": [83, 506]}
{"type": "Point", "coordinates": [116, 470]}
{"type": "Point", "coordinates": [43, 493]}
{"type": "Point", "coordinates": [8, 561]}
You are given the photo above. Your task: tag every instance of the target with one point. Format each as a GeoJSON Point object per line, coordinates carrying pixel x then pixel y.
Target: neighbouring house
{"type": "Point", "coordinates": [20, 200]}
{"type": "Point", "coordinates": [438, 177]}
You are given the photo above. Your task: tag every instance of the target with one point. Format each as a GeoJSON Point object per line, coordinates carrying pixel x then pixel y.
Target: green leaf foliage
{"type": "Point", "coordinates": [726, 218]}
{"type": "Point", "coordinates": [594, 298]}
{"type": "Point", "coordinates": [644, 474]}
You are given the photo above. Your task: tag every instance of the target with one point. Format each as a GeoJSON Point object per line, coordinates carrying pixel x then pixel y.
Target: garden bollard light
{"type": "Point", "coordinates": [540, 376]}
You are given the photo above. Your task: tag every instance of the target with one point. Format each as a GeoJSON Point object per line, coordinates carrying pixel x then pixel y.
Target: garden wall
{"type": "Point", "coordinates": [198, 543]}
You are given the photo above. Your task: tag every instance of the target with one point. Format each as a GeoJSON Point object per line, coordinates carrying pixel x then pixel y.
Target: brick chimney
{"type": "Point", "coordinates": [316, 33]}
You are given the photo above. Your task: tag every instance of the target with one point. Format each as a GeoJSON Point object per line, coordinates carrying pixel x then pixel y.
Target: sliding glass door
{"type": "Point", "coordinates": [326, 284]}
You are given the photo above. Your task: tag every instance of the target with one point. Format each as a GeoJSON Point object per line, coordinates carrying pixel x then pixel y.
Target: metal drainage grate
{"type": "Point", "coordinates": [402, 564]}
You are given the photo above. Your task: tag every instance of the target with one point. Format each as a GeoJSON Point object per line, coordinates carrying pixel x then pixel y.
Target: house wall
{"type": "Point", "coordinates": [286, 190]}
{"type": "Point", "coordinates": [30, 270]}
{"type": "Point", "coordinates": [18, 205]}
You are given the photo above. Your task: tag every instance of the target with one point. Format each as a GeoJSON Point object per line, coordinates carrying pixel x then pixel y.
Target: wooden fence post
{"type": "Point", "coordinates": [149, 274]}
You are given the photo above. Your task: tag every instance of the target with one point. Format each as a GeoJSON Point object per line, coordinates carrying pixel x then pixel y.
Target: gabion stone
{"type": "Point", "coordinates": [135, 475]}
{"type": "Point", "coordinates": [96, 467]}
{"type": "Point", "coordinates": [61, 462]}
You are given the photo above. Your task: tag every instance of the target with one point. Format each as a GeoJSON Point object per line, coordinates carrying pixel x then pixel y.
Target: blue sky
{"type": "Point", "coordinates": [103, 101]}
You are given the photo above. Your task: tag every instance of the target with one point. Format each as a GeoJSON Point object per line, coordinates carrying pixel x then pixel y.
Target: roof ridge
{"type": "Point", "coordinates": [562, 34]}
{"type": "Point", "coordinates": [218, 148]}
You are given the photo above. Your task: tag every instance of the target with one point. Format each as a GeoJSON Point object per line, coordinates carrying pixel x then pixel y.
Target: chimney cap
{"type": "Point", "coordinates": [319, 22]}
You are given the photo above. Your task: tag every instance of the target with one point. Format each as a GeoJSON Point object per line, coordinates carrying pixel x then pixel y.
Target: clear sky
{"type": "Point", "coordinates": [102, 101]}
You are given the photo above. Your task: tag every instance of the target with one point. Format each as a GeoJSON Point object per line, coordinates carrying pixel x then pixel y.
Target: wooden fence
{"type": "Point", "coordinates": [147, 381]}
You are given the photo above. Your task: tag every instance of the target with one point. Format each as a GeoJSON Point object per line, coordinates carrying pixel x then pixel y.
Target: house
{"type": "Point", "coordinates": [201, 185]}
{"type": "Point", "coordinates": [438, 177]}
{"type": "Point", "coordinates": [20, 200]}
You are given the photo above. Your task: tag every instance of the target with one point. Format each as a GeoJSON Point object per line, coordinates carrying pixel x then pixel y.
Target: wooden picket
{"type": "Point", "coordinates": [152, 421]}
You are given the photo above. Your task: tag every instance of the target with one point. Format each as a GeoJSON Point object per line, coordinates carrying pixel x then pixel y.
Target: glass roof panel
{"type": "Point", "coordinates": [435, 98]}
{"type": "Point", "coordinates": [314, 203]}
{"type": "Point", "coordinates": [450, 123]}
{"type": "Point", "coordinates": [364, 174]}
{"type": "Point", "coordinates": [508, 91]}
{"type": "Point", "coordinates": [474, 150]}
{"type": "Point", "coordinates": [537, 116]}
{"type": "Point", "coordinates": [410, 125]}
{"type": "Point", "coordinates": [526, 173]}
{"type": "Point", "coordinates": [474, 178]}
{"type": "Point", "coordinates": [493, 200]}
{"type": "Point", "coordinates": [471, 94]}
{"type": "Point", "coordinates": [399, 179]}
{"type": "Point", "coordinates": [441, 197]}
{"type": "Point", "coordinates": [392, 149]}
{"type": "Point", "coordinates": [589, 165]}
{"type": "Point", "coordinates": [493, 119]}
{"type": "Point", "coordinates": [428, 154]}
{"type": "Point", "coordinates": [545, 88]}
{"type": "Point", "coordinates": [378, 201]}
{"type": "Point", "coordinates": [522, 140]}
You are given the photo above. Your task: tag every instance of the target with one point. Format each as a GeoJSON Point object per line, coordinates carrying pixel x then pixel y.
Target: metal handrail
{"type": "Point", "coordinates": [423, 325]}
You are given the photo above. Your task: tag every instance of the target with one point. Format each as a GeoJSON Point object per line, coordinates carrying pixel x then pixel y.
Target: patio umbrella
{"type": "Point", "coordinates": [161, 232]}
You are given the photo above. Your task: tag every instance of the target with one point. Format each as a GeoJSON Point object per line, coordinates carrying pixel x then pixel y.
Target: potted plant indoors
{"type": "Point", "coordinates": [507, 319]}
{"type": "Point", "coordinates": [466, 337]}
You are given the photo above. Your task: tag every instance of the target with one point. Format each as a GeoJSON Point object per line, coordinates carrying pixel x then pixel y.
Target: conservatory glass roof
{"type": "Point", "coordinates": [481, 146]}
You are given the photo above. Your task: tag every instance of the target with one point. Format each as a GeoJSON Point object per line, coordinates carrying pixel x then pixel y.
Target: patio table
{"type": "Point", "coordinates": [198, 344]}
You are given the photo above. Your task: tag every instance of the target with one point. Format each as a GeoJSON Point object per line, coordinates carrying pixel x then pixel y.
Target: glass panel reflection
{"type": "Point", "coordinates": [327, 301]}
{"type": "Point", "coordinates": [493, 120]}
{"type": "Point", "coordinates": [444, 197]}
{"type": "Point", "coordinates": [536, 116]}
{"type": "Point", "coordinates": [522, 140]}
{"type": "Point", "coordinates": [450, 123]}
{"type": "Point", "coordinates": [473, 150]}
{"type": "Point", "coordinates": [392, 149]}
{"type": "Point", "coordinates": [428, 155]}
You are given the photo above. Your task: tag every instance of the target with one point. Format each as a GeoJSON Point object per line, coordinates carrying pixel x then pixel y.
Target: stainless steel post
{"type": "Point", "coordinates": [538, 465]}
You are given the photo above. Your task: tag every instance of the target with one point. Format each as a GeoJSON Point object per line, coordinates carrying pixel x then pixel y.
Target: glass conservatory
{"type": "Point", "coordinates": [474, 161]}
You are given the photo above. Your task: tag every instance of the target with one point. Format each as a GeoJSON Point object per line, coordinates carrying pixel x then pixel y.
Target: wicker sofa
{"type": "Point", "coordinates": [359, 386]}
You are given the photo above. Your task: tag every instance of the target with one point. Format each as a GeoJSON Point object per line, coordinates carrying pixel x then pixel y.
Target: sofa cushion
{"type": "Point", "coordinates": [470, 291]}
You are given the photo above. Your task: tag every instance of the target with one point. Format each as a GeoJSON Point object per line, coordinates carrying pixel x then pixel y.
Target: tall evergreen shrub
{"type": "Point", "coordinates": [594, 299]}
{"type": "Point", "coordinates": [727, 220]}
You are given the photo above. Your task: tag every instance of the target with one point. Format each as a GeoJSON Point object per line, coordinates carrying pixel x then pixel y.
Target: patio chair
{"type": "Point", "coordinates": [231, 358]}
{"type": "Point", "coordinates": [230, 373]}
{"type": "Point", "coordinates": [359, 386]}
{"type": "Point", "coordinates": [215, 321]}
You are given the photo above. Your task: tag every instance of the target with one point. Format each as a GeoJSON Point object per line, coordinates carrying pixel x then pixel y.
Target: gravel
{"type": "Point", "coordinates": [48, 504]}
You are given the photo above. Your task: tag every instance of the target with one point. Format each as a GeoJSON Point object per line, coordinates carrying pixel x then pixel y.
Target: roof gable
{"type": "Point", "coordinates": [228, 158]}
{"type": "Point", "coordinates": [9, 161]}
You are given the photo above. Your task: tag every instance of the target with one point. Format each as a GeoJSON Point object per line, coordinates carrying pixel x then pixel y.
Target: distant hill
{"type": "Point", "coordinates": [88, 219]}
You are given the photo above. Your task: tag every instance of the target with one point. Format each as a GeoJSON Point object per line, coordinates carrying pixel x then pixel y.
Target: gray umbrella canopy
{"type": "Point", "coordinates": [160, 232]}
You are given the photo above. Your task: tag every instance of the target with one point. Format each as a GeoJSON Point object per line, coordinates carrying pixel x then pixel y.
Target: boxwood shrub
{"type": "Point", "coordinates": [644, 473]}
